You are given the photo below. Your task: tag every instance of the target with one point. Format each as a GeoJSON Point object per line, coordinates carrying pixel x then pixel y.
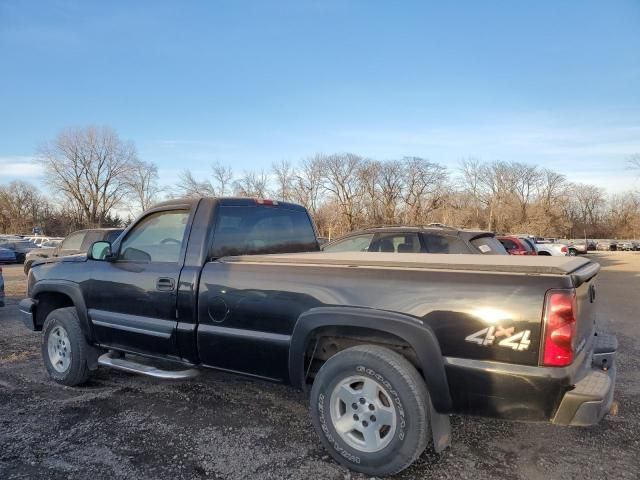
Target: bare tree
{"type": "Point", "coordinates": [341, 180]}
{"type": "Point", "coordinates": [424, 182]}
{"type": "Point", "coordinates": [471, 173]}
{"type": "Point", "coordinates": [391, 184]}
{"type": "Point", "coordinates": [21, 207]}
{"type": "Point", "coordinates": [526, 180]}
{"type": "Point", "coordinates": [369, 178]}
{"type": "Point", "coordinates": [188, 186]}
{"type": "Point", "coordinates": [222, 178]}
{"type": "Point", "coordinates": [252, 184]}
{"type": "Point", "coordinates": [589, 199]}
{"type": "Point", "coordinates": [307, 183]}
{"type": "Point", "coordinates": [553, 187]}
{"type": "Point", "coordinates": [499, 182]}
{"type": "Point", "coordinates": [284, 175]}
{"type": "Point", "coordinates": [90, 167]}
{"type": "Point", "coordinates": [143, 185]}
{"type": "Point", "coordinates": [634, 161]}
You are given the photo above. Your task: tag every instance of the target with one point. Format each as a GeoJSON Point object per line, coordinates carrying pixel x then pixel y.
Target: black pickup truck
{"type": "Point", "coordinates": [387, 345]}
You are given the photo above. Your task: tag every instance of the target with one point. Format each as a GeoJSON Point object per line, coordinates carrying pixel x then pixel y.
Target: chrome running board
{"type": "Point", "coordinates": [114, 360]}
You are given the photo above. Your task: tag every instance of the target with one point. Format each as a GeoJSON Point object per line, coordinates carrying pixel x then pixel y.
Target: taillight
{"type": "Point", "coordinates": [564, 250]}
{"type": "Point", "coordinates": [559, 328]}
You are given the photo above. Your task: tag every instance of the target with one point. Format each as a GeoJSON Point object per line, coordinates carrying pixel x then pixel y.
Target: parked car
{"type": "Point", "coordinates": [388, 345]}
{"type": "Point", "coordinates": [626, 245]}
{"type": "Point", "coordinates": [428, 239]}
{"type": "Point", "coordinates": [580, 247]}
{"type": "Point", "coordinates": [76, 243]}
{"type": "Point", "coordinates": [607, 245]}
{"type": "Point", "coordinates": [553, 249]}
{"type": "Point", "coordinates": [20, 248]}
{"type": "Point", "coordinates": [516, 245]}
{"type": "Point", "coordinates": [7, 256]}
{"type": "Point", "coordinates": [1, 288]}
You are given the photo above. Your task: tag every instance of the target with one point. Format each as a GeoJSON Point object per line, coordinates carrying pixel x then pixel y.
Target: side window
{"type": "Point", "coordinates": [112, 235]}
{"type": "Point", "coordinates": [444, 244]}
{"type": "Point", "coordinates": [73, 241]}
{"type": "Point", "coordinates": [528, 245]}
{"type": "Point", "coordinates": [157, 238]}
{"type": "Point", "coordinates": [357, 243]}
{"type": "Point", "coordinates": [89, 238]}
{"type": "Point", "coordinates": [508, 244]}
{"type": "Point", "coordinates": [396, 243]}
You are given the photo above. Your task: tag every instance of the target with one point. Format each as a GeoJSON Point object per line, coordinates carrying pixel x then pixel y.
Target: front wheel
{"type": "Point", "coordinates": [369, 406]}
{"type": "Point", "coordinates": [64, 347]}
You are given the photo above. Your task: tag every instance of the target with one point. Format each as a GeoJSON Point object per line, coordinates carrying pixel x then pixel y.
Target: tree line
{"type": "Point", "coordinates": [95, 178]}
{"type": "Point", "coordinates": [344, 192]}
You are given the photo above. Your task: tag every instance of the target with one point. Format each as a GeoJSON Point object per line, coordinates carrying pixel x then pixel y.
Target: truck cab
{"type": "Point", "coordinates": [140, 293]}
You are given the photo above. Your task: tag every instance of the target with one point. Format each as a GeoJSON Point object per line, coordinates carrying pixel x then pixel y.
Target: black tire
{"type": "Point", "coordinates": [544, 254]}
{"type": "Point", "coordinates": [77, 371]}
{"type": "Point", "coordinates": [401, 382]}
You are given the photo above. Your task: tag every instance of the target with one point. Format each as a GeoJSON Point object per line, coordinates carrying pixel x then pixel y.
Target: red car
{"type": "Point", "coordinates": [518, 245]}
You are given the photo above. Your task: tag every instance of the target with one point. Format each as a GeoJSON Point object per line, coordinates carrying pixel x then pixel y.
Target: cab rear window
{"type": "Point", "coordinates": [256, 230]}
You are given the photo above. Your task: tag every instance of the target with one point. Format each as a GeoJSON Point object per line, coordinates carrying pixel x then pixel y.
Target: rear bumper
{"type": "Point", "coordinates": [536, 393]}
{"type": "Point", "coordinates": [26, 313]}
{"type": "Point", "coordinates": [592, 395]}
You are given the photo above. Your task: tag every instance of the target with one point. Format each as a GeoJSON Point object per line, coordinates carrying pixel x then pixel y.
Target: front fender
{"type": "Point", "coordinates": [71, 290]}
{"type": "Point", "coordinates": [412, 330]}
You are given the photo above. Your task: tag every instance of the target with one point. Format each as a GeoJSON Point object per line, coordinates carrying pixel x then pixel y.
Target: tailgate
{"type": "Point", "coordinates": [584, 280]}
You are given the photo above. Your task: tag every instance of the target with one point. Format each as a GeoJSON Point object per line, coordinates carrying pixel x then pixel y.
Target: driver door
{"type": "Point", "coordinates": [132, 300]}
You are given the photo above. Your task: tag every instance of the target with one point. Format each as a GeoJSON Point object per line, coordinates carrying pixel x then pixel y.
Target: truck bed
{"type": "Point", "coordinates": [540, 265]}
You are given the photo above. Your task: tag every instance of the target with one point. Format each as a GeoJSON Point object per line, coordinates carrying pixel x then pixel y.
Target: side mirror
{"type": "Point", "coordinates": [100, 251]}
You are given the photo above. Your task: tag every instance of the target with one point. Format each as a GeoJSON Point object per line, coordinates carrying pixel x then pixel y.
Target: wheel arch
{"type": "Point", "coordinates": [54, 294]}
{"type": "Point", "coordinates": [410, 330]}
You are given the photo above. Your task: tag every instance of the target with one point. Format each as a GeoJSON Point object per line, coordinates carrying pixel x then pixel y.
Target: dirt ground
{"type": "Point", "coordinates": [122, 426]}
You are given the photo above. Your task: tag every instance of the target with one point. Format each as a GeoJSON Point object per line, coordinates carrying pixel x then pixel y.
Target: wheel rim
{"type": "Point", "coordinates": [59, 349]}
{"type": "Point", "coordinates": [363, 414]}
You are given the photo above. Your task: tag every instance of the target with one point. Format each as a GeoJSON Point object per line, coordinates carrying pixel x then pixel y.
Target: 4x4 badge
{"type": "Point", "coordinates": [488, 336]}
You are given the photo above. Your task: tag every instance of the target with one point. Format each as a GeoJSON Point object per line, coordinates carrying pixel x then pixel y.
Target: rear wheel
{"type": "Point", "coordinates": [369, 406]}
{"type": "Point", "coordinates": [64, 347]}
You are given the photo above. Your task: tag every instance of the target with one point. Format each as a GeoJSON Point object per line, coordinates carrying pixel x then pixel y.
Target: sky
{"type": "Point", "coordinates": [246, 84]}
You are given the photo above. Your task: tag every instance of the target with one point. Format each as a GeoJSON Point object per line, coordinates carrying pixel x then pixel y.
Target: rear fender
{"type": "Point", "coordinates": [410, 329]}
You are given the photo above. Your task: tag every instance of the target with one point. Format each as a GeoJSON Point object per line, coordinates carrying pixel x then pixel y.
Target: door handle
{"type": "Point", "coordinates": [165, 284]}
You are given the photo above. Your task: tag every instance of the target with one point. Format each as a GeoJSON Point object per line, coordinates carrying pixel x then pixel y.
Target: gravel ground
{"type": "Point", "coordinates": [121, 426]}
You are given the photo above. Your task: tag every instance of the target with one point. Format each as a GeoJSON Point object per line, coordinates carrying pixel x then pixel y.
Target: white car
{"type": "Point", "coordinates": [552, 249]}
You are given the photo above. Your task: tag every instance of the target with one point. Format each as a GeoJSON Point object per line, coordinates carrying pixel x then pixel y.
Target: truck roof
{"type": "Point", "coordinates": [227, 201]}
{"type": "Point", "coordinates": [541, 265]}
